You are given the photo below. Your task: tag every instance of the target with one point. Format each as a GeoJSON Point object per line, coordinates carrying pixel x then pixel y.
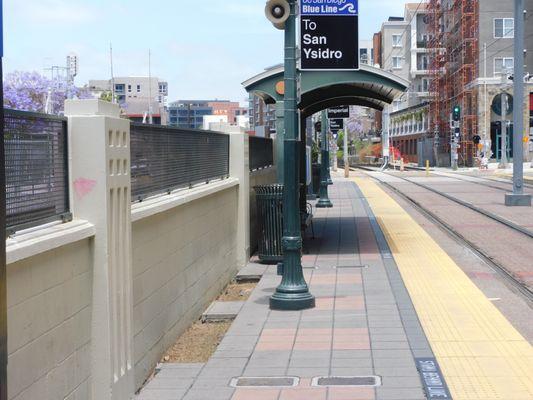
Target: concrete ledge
{"type": "Point", "coordinates": [162, 203]}
{"type": "Point", "coordinates": [262, 171]}
{"type": "Point", "coordinates": [517, 200]}
{"type": "Point", "coordinates": [253, 272]}
{"type": "Point", "coordinates": [222, 311]}
{"type": "Point", "coordinates": [31, 242]}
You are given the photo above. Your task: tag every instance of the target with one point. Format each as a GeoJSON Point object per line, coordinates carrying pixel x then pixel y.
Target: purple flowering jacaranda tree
{"type": "Point", "coordinates": [28, 91]}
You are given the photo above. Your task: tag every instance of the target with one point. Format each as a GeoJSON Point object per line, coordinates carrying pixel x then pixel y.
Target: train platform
{"type": "Point", "coordinates": [397, 318]}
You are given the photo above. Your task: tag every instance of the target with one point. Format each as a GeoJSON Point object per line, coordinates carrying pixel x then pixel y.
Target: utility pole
{"type": "Point", "coordinates": [150, 111]}
{"type": "Point", "coordinates": [112, 73]}
{"type": "Point", "coordinates": [293, 292]}
{"type": "Point", "coordinates": [328, 155]}
{"type": "Point", "coordinates": [455, 124]}
{"type": "Point", "coordinates": [518, 198]}
{"type": "Point", "coordinates": [346, 162]}
{"type": "Point", "coordinates": [504, 106]}
{"type": "Point", "coordinates": [324, 201]}
{"type": "Point", "coordinates": [3, 277]}
{"type": "Point", "coordinates": [335, 152]}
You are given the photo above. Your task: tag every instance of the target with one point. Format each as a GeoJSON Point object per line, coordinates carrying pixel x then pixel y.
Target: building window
{"type": "Point", "coordinates": [424, 63]}
{"type": "Point", "coordinates": [504, 28]}
{"type": "Point", "coordinates": [363, 55]}
{"type": "Point", "coordinates": [396, 40]}
{"type": "Point", "coordinates": [138, 88]}
{"type": "Point", "coordinates": [396, 105]}
{"type": "Point", "coordinates": [503, 65]}
{"type": "Point", "coordinates": [425, 85]}
{"type": "Point", "coordinates": [119, 88]}
{"type": "Point", "coordinates": [129, 88]}
{"type": "Point", "coordinates": [397, 63]}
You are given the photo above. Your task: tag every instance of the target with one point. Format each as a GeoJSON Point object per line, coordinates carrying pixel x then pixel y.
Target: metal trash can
{"type": "Point", "coordinates": [270, 222]}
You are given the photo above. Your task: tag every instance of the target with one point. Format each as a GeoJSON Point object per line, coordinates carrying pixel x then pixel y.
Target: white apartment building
{"type": "Point", "coordinates": [137, 96]}
{"type": "Point", "coordinates": [404, 52]}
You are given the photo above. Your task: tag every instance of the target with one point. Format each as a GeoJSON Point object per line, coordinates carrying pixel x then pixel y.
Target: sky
{"type": "Point", "coordinates": [205, 49]}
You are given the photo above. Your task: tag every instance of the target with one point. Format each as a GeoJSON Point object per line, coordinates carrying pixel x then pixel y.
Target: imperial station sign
{"type": "Point", "coordinates": [329, 34]}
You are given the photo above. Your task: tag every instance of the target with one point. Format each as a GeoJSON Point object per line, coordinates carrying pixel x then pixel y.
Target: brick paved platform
{"type": "Point", "coordinates": [364, 324]}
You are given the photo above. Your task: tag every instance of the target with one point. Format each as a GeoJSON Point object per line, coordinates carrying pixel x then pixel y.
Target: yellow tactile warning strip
{"type": "Point", "coordinates": [482, 356]}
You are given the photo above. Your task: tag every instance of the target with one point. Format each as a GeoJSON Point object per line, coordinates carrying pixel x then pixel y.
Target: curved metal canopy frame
{"type": "Point", "coordinates": [340, 101]}
{"type": "Point", "coordinates": [368, 87]}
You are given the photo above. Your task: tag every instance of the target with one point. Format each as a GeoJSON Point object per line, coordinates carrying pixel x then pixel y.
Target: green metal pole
{"type": "Point", "coordinates": [324, 201]}
{"type": "Point", "coordinates": [280, 135]}
{"type": "Point", "coordinates": [293, 292]}
{"type": "Point", "coordinates": [330, 181]}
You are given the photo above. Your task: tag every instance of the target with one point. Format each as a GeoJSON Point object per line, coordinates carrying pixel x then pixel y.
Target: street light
{"type": "Point", "coordinates": [518, 197]}
{"type": "Point", "coordinates": [293, 292]}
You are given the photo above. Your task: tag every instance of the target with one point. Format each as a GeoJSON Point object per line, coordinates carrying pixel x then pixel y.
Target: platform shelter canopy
{"type": "Point", "coordinates": [369, 87]}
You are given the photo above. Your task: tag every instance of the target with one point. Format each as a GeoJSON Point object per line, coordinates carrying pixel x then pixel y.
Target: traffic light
{"type": "Point", "coordinates": [456, 115]}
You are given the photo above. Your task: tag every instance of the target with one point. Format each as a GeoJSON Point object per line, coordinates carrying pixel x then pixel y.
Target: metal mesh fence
{"type": "Point", "coordinates": [36, 169]}
{"type": "Point", "coordinates": [164, 158]}
{"type": "Point", "coordinates": [261, 153]}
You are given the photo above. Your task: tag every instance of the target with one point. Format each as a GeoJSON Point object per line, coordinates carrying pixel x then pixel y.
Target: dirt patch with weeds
{"type": "Point", "coordinates": [237, 291]}
{"type": "Point", "coordinates": [201, 340]}
{"type": "Point", "coordinates": [198, 343]}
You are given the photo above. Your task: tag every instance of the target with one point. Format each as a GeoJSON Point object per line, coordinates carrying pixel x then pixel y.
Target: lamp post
{"type": "Point", "coordinates": [328, 157]}
{"type": "Point", "coordinates": [324, 201]}
{"type": "Point", "coordinates": [518, 197]}
{"type": "Point", "coordinates": [293, 292]}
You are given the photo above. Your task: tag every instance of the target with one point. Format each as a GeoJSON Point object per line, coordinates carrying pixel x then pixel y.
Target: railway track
{"type": "Point", "coordinates": [507, 276]}
{"type": "Point", "coordinates": [493, 181]}
{"type": "Point", "coordinates": [466, 204]}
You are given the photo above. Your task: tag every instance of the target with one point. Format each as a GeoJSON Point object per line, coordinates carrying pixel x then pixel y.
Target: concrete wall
{"type": "Point", "coordinates": [182, 259]}
{"type": "Point", "coordinates": [261, 177]}
{"type": "Point", "coordinates": [95, 302]}
{"type": "Point", "coordinates": [49, 320]}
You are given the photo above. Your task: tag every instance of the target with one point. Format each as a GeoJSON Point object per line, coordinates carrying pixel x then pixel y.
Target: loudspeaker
{"type": "Point", "coordinates": [278, 12]}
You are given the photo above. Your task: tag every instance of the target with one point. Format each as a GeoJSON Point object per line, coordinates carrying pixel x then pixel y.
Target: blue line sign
{"type": "Point", "coordinates": [329, 7]}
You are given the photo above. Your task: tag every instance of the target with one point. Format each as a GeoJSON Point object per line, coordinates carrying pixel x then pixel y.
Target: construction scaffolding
{"type": "Point", "coordinates": [454, 33]}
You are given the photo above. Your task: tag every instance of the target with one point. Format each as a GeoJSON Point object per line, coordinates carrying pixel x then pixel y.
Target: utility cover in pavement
{"type": "Point", "coordinates": [347, 381]}
{"type": "Point", "coordinates": [286, 381]}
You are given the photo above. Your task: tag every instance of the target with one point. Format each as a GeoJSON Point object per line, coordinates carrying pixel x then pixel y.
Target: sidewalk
{"type": "Point", "coordinates": [364, 325]}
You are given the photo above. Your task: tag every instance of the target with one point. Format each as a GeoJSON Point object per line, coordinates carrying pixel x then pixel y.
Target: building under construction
{"type": "Point", "coordinates": [472, 44]}
{"type": "Point", "coordinates": [454, 32]}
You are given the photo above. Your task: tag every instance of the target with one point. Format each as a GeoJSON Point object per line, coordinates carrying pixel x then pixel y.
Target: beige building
{"type": "Point", "coordinates": [138, 97]}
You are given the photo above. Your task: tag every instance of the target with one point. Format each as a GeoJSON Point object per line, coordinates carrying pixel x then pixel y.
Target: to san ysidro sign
{"type": "Point", "coordinates": [329, 34]}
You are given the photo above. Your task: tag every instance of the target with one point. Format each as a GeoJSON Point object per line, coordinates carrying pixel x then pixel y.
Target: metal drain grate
{"type": "Point", "coordinates": [284, 381]}
{"type": "Point", "coordinates": [347, 381]}
{"type": "Point", "coordinates": [352, 267]}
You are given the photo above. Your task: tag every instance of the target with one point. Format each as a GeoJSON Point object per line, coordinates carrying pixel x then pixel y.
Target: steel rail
{"type": "Point", "coordinates": [468, 205]}
{"type": "Point", "coordinates": [498, 268]}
